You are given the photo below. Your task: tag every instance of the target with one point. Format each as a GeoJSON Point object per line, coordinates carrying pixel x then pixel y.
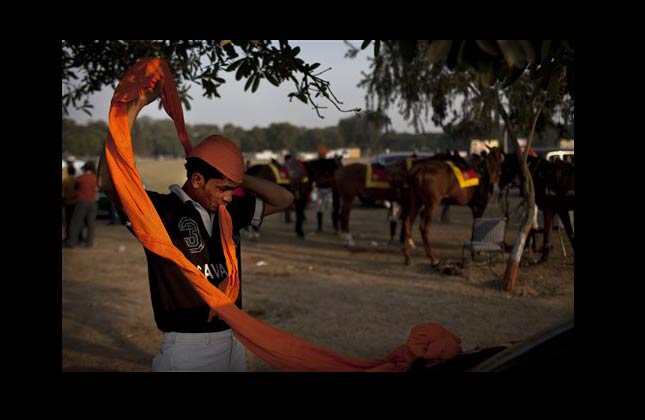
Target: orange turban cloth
{"type": "Point", "coordinates": [223, 155]}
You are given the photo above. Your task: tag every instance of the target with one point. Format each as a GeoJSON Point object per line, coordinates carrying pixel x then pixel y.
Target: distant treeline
{"type": "Point", "coordinates": [159, 137]}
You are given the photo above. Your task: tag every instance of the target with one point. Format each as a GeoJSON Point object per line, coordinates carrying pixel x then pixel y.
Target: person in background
{"type": "Point", "coordinates": [86, 206]}
{"type": "Point", "coordinates": [324, 193]}
{"type": "Point", "coordinates": [69, 199]}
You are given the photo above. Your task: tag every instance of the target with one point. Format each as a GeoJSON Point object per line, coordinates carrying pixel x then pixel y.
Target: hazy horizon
{"type": "Point", "coordinates": [270, 104]}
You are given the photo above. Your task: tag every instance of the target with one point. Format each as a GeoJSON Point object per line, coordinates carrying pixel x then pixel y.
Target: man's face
{"type": "Point", "coordinates": [216, 192]}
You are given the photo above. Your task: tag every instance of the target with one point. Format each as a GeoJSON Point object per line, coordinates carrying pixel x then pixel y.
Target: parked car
{"type": "Point", "coordinates": [387, 159]}
{"type": "Point", "coordinates": [103, 206]}
{"type": "Point", "coordinates": [553, 154]}
{"type": "Point", "coordinates": [565, 155]}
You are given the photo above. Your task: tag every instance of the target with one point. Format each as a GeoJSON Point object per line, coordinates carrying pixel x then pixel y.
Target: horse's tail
{"type": "Point", "coordinates": [413, 171]}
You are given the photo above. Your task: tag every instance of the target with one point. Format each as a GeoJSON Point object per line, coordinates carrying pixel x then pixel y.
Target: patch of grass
{"type": "Point", "coordinates": [157, 175]}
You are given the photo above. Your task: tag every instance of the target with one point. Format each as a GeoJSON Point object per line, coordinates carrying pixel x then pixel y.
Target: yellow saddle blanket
{"type": "Point", "coordinates": [281, 174]}
{"type": "Point", "coordinates": [467, 177]}
{"type": "Point", "coordinates": [377, 176]}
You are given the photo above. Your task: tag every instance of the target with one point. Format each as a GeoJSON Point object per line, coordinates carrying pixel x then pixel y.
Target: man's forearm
{"type": "Point", "coordinates": [274, 196]}
{"type": "Point", "coordinates": [104, 178]}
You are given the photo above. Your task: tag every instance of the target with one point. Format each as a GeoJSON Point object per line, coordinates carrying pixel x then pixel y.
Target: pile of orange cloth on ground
{"type": "Point", "coordinates": [282, 350]}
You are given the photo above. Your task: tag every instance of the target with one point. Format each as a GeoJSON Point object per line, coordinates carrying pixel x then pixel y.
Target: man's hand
{"type": "Point", "coordinates": [152, 95]}
{"type": "Point", "coordinates": [137, 105]}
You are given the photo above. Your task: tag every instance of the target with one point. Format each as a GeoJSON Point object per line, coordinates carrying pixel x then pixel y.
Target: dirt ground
{"type": "Point", "coordinates": [360, 302]}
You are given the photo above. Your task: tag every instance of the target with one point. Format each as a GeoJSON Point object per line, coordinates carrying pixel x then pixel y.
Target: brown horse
{"type": "Point", "coordinates": [430, 182]}
{"type": "Point", "coordinates": [351, 183]}
{"type": "Point", "coordinates": [553, 185]}
{"type": "Point", "coordinates": [320, 171]}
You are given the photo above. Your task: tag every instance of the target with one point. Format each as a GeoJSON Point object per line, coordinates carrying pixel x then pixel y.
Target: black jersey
{"type": "Point", "coordinates": [176, 305]}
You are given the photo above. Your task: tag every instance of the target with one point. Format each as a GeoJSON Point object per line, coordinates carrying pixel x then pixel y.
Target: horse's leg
{"type": "Point", "coordinates": [402, 234]}
{"type": "Point", "coordinates": [300, 212]}
{"type": "Point", "coordinates": [478, 210]}
{"type": "Point", "coordinates": [564, 216]}
{"type": "Point", "coordinates": [531, 240]}
{"type": "Point", "coordinates": [445, 213]}
{"type": "Point", "coordinates": [424, 225]}
{"type": "Point", "coordinates": [549, 215]}
{"type": "Point", "coordinates": [344, 219]}
{"type": "Point", "coordinates": [408, 214]}
{"type": "Point", "coordinates": [392, 217]}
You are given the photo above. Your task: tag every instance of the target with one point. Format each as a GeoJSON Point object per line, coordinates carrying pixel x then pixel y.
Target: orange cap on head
{"type": "Point", "coordinates": [322, 150]}
{"type": "Point", "coordinates": [223, 155]}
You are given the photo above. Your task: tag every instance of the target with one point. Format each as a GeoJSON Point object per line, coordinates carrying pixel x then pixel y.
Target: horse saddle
{"type": "Point", "coordinates": [465, 176]}
{"type": "Point", "coordinates": [376, 177]}
{"type": "Point", "coordinates": [280, 173]}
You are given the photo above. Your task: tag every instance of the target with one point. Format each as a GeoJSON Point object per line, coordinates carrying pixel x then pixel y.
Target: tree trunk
{"type": "Point", "coordinates": [512, 267]}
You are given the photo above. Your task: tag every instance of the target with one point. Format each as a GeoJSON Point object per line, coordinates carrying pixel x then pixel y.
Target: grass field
{"type": "Point", "coordinates": [157, 175]}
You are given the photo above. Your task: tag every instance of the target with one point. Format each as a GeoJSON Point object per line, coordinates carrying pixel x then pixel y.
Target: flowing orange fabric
{"type": "Point", "coordinates": [280, 349]}
{"type": "Point", "coordinates": [231, 285]}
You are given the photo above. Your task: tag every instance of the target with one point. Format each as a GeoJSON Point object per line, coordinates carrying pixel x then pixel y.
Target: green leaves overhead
{"type": "Point", "coordinates": [248, 82]}
{"type": "Point", "coordinates": [408, 49]}
{"type": "Point", "coordinates": [438, 50]}
{"type": "Point", "coordinates": [527, 49]}
{"type": "Point", "coordinates": [487, 73]}
{"type": "Point", "coordinates": [513, 53]}
{"type": "Point", "coordinates": [467, 77]}
{"type": "Point", "coordinates": [271, 79]}
{"type": "Point", "coordinates": [504, 61]}
{"type": "Point", "coordinates": [234, 65]}
{"type": "Point", "coordinates": [489, 47]}
{"type": "Point", "coordinates": [553, 85]}
{"type": "Point", "coordinates": [89, 66]}
{"type": "Point", "coordinates": [299, 95]}
{"type": "Point", "coordinates": [417, 73]}
{"type": "Point", "coordinates": [512, 76]}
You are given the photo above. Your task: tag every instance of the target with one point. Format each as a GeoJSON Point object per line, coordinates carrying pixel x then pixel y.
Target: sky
{"type": "Point", "coordinates": [270, 104]}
